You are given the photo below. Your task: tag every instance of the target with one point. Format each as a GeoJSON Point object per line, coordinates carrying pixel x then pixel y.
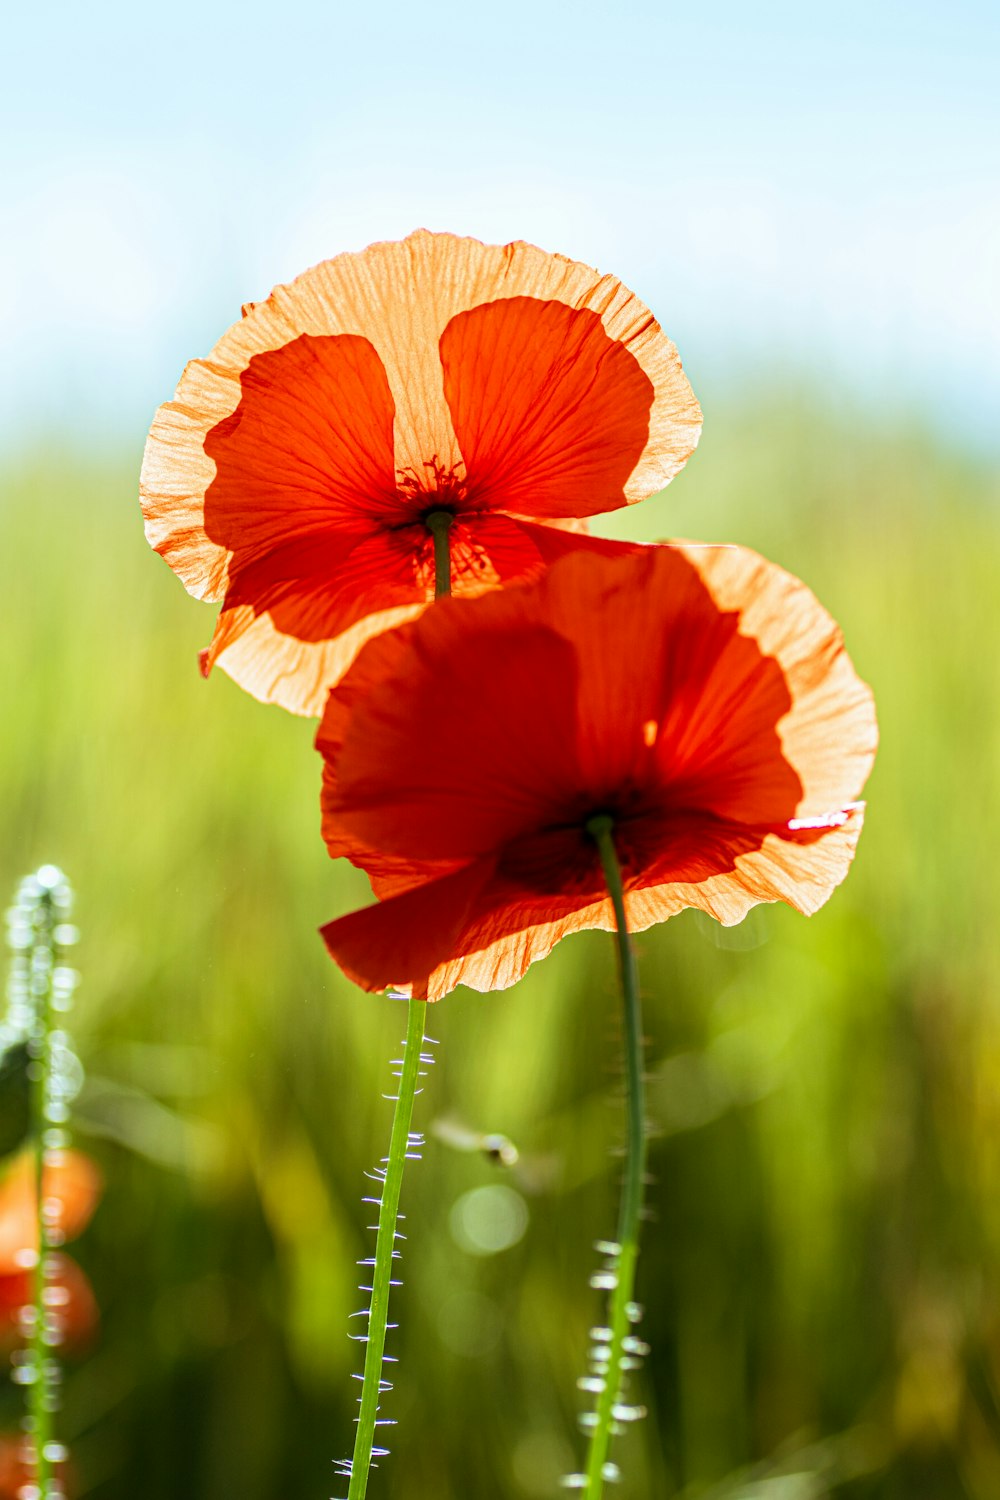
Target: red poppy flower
{"type": "Point", "coordinates": [292, 474]}
{"type": "Point", "coordinates": [71, 1184]}
{"type": "Point", "coordinates": [699, 695]}
{"type": "Point", "coordinates": [70, 1303]}
{"type": "Point", "coordinates": [17, 1475]}
{"type": "Point", "coordinates": [16, 1470]}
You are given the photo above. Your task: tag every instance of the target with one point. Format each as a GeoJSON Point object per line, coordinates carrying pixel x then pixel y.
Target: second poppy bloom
{"type": "Point", "coordinates": [71, 1186]}
{"type": "Point", "coordinates": [698, 697]}
{"type": "Point", "coordinates": [293, 474]}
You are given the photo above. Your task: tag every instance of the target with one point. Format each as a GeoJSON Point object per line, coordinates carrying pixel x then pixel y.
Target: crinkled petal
{"type": "Point", "coordinates": [829, 732]}
{"type": "Point", "coordinates": [399, 942]}
{"type": "Point", "coordinates": [278, 668]}
{"type": "Point", "coordinates": [365, 330]}
{"type": "Point", "coordinates": [726, 869]}
{"type": "Point", "coordinates": [470, 927]}
{"type": "Point", "coordinates": [477, 927]}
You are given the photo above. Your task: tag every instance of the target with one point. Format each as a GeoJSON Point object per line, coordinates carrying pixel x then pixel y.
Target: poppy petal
{"type": "Point", "coordinates": [477, 928]}
{"type": "Point", "coordinates": [399, 942]}
{"type": "Point", "coordinates": [350, 354]}
{"type": "Point", "coordinates": [429, 767]}
{"type": "Point", "coordinates": [471, 927]}
{"type": "Point", "coordinates": [551, 414]}
{"type": "Point", "coordinates": [278, 668]}
{"type": "Point", "coordinates": [388, 875]}
{"type": "Point", "coordinates": [724, 668]}
{"type": "Point", "coordinates": [832, 706]}
{"type": "Point", "coordinates": [324, 597]}
{"type": "Point", "coordinates": [499, 943]}
{"type": "Point", "coordinates": [801, 871]}
{"type": "Point", "coordinates": [635, 685]}
{"type": "Point", "coordinates": [309, 448]}
{"type": "Point", "coordinates": [302, 445]}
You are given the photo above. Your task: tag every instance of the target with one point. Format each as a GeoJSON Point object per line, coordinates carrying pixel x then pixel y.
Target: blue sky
{"type": "Point", "coordinates": [782, 184]}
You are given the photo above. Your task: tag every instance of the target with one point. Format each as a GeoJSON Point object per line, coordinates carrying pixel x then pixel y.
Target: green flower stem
{"type": "Point", "coordinates": [622, 1310]}
{"type": "Point", "coordinates": [438, 523]}
{"type": "Point", "coordinates": [399, 1145]}
{"type": "Point", "coordinates": [40, 1395]}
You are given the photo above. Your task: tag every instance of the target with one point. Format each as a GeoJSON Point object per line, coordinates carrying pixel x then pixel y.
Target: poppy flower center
{"type": "Point", "coordinates": [598, 824]}
{"type": "Point", "coordinates": [432, 488]}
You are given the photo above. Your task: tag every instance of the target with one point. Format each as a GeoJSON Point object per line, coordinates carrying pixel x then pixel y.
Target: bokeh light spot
{"type": "Point", "coordinates": [489, 1219]}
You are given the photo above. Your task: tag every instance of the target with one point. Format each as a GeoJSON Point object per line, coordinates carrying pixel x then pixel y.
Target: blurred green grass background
{"type": "Point", "coordinates": [821, 1272]}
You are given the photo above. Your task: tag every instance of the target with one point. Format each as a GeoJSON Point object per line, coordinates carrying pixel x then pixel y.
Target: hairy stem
{"type": "Point", "coordinates": [622, 1312]}
{"type": "Point", "coordinates": [40, 984]}
{"type": "Point", "coordinates": [40, 1395]}
{"type": "Point", "coordinates": [399, 1146]}
{"type": "Point", "coordinates": [438, 523]}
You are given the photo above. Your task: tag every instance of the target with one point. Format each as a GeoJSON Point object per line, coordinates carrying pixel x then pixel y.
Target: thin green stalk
{"type": "Point", "coordinates": [399, 1148]}
{"type": "Point", "coordinates": [40, 1395]}
{"type": "Point", "coordinates": [438, 523]}
{"type": "Point", "coordinates": [401, 1144]}
{"type": "Point", "coordinates": [623, 1313]}
{"type": "Point", "coordinates": [40, 984]}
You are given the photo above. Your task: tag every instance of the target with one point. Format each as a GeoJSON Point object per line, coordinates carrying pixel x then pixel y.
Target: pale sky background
{"type": "Point", "coordinates": [785, 184]}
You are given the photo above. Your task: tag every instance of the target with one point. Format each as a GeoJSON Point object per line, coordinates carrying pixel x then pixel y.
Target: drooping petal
{"type": "Point", "coordinates": [400, 941]}
{"type": "Point", "coordinates": [479, 926]}
{"type": "Point", "coordinates": [279, 668]}
{"type": "Point", "coordinates": [292, 623]}
{"type": "Point", "coordinates": [308, 607]}
{"type": "Point", "coordinates": [471, 927]}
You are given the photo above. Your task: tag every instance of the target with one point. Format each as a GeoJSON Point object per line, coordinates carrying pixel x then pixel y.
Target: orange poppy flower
{"type": "Point", "coordinates": [70, 1298]}
{"type": "Point", "coordinates": [292, 474]}
{"type": "Point", "coordinates": [699, 695]}
{"type": "Point", "coordinates": [72, 1186]}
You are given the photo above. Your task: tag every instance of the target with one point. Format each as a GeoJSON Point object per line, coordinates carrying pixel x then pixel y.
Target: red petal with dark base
{"type": "Point", "coordinates": [308, 450]}
{"type": "Point", "coordinates": [551, 415]}
{"type": "Point", "coordinates": [638, 686]}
